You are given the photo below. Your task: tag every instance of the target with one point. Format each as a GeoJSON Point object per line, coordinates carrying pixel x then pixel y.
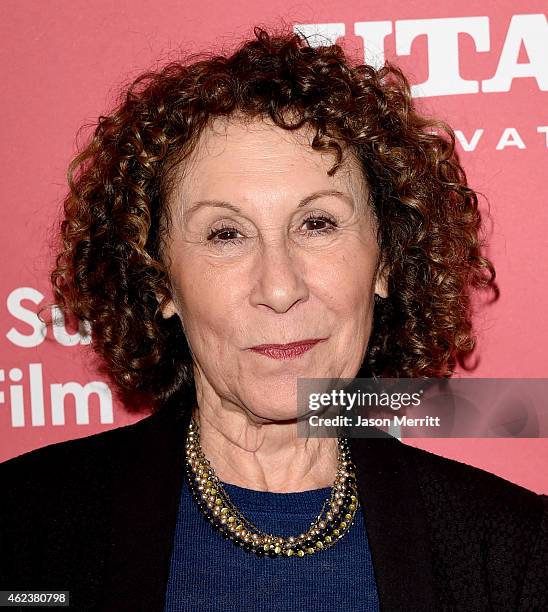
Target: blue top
{"type": "Point", "coordinates": [209, 573]}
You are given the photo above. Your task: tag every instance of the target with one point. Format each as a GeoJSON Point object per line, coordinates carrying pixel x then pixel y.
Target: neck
{"type": "Point", "coordinates": [264, 456]}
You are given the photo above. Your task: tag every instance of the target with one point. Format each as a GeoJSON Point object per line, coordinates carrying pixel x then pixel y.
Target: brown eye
{"type": "Point", "coordinates": [224, 235]}
{"type": "Point", "coordinates": [319, 224]}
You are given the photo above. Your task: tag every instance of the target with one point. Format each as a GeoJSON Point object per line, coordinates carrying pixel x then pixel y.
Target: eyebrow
{"type": "Point", "coordinates": [304, 202]}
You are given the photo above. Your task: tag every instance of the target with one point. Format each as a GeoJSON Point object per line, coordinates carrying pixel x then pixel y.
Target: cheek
{"type": "Point", "coordinates": [345, 279]}
{"type": "Point", "coordinates": [210, 298]}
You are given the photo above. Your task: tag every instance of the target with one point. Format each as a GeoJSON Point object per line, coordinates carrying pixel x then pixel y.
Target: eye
{"type": "Point", "coordinates": [224, 234]}
{"type": "Point", "coordinates": [319, 224]}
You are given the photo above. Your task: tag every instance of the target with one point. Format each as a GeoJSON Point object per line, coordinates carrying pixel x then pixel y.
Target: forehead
{"type": "Point", "coordinates": [238, 153]}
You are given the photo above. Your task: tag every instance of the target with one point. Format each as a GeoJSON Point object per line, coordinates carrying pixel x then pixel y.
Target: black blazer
{"type": "Point", "coordinates": [96, 516]}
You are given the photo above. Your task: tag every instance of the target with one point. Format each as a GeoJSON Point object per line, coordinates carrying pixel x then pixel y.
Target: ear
{"type": "Point", "coordinates": [381, 282]}
{"type": "Point", "coordinates": [168, 310]}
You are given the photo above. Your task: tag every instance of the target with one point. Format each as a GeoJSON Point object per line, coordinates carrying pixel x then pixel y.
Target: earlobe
{"type": "Point", "coordinates": [168, 310]}
{"type": "Point", "coordinates": [381, 284]}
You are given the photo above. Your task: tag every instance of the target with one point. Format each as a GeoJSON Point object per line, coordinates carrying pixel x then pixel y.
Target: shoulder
{"type": "Point", "coordinates": [58, 501]}
{"type": "Point", "coordinates": [71, 456]}
{"type": "Point", "coordinates": [474, 514]}
{"type": "Point", "coordinates": [479, 520]}
{"type": "Point", "coordinates": [456, 484]}
{"type": "Point", "coordinates": [66, 474]}
{"type": "Point", "coordinates": [56, 498]}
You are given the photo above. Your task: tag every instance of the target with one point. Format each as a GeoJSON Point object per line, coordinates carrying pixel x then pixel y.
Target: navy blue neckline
{"type": "Point", "coordinates": [303, 503]}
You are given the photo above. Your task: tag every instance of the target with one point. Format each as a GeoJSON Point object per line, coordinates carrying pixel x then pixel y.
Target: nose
{"type": "Point", "coordinates": [280, 282]}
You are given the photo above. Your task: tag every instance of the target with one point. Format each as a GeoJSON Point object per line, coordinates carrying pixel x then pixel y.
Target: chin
{"type": "Point", "coordinates": [280, 408]}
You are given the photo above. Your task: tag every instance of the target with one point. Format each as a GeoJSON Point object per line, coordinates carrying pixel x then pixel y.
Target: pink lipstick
{"type": "Point", "coordinates": [286, 351]}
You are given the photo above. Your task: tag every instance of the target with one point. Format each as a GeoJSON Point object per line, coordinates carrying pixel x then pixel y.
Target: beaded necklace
{"type": "Point", "coordinates": [333, 522]}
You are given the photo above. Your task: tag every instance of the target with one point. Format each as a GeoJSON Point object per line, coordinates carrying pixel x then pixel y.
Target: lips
{"type": "Point", "coordinates": [286, 351]}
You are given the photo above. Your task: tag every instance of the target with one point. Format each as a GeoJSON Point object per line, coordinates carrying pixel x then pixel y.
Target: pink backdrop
{"type": "Point", "coordinates": [481, 66]}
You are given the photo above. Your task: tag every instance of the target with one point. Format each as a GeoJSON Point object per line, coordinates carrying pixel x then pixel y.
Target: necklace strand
{"type": "Point", "coordinates": [332, 523]}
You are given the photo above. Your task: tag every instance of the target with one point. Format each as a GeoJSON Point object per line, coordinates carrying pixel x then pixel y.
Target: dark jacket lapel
{"type": "Point", "coordinates": [147, 481]}
{"type": "Point", "coordinates": [145, 500]}
{"type": "Point", "coordinates": [395, 522]}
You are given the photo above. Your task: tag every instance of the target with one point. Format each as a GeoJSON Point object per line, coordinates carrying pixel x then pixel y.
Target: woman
{"type": "Point", "coordinates": [235, 224]}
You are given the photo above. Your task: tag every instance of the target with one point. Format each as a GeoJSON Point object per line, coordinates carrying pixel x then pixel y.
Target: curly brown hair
{"type": "Point", "coordinates": [110, 270]}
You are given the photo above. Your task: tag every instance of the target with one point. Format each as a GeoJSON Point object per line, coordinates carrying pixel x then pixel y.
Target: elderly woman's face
{"type": "Point", "coordinates": [266, 248]}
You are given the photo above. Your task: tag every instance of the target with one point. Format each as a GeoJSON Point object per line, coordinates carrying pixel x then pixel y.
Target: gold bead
{"type": "Point", "coordinates": [343, 525]}
{"type": "Point", "coordinates": [352, 507]}
{"type": "Point", "coordinates": [328, 539]}
{"type": "Point", "coordinates": [310, 551]}
{"type": "Point", "coordinates": [319, 544]}
{"type": "Point", "coordinates": [277, 549]}
{"type": "Point", "coordinates": [289, 552]}
{"type": "Point", "coordinates": [300, 553]}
